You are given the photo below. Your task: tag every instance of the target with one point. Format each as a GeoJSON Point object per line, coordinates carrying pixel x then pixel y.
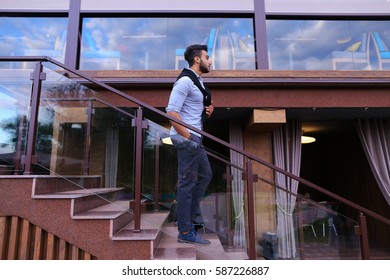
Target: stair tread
{"type": "Point", "coordinates": [76, 193]}
{"type": "Point", "coordinates": [175, 254]}
{"type": "Point", "coordinates": [151, 220]}
{"type": "Point", "coordinates": [151, 224]}
{"type": "Point", "coordinates": [215, 251]}
{"type": "Point", "coordinates": [106, 211]}
{"type": "Point", "coordinates": [170, 249]}
{"type": "Point", "coordinates": [130, 234]}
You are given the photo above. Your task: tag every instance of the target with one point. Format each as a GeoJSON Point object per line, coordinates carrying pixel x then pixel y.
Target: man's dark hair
{"type": "Point", "coordinates": [192, 51]}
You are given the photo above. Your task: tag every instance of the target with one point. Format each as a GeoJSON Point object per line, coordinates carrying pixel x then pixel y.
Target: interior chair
{"type": "Point", "coordinates": [309, 215]}
{"type": "Point", "coordinates": [240, 53]}
{"type": "Point", "coordinates": [57, 52]}
{"type": "Point", "coordinates": [94, 55]}
{"type": "Point", "coordinates": [211, 43]}
{"type": "Point", "coordinates": [356, 52]}
{"type": "Point", "coordinates": [382, 51]}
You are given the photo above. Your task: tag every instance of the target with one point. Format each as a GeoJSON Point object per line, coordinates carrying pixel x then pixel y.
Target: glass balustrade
{"type": "Point", "coordinates": [87, 139]}
{"type": "Point", "coordinates": [84, 141]}
{"type": "Point", "coordinates": [15, 91]}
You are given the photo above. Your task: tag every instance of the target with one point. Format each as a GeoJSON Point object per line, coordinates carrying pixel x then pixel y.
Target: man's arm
{"type": "Point", "coordinates": [183, 131]}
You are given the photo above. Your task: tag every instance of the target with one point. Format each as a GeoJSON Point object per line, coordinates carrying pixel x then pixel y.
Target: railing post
{"type": "Point", "coordinates": [157, 174]}
{"type": "Point", "coordinates": [251, 212]}
{"type": "Point", "coordinates": [361, 230]}
{"type": "Point", "coordinates": [87, 145]}
{"type": "Point", "coordinates": [30, 158]}
{"type": "Point", "coordinates": [21, 130]}
{"type": "Point", "coordinates": [139, 125]}
{"type": "Point", "coordinates": [301, 231]}
{"type": "Point", "coordinates": [229, 177]}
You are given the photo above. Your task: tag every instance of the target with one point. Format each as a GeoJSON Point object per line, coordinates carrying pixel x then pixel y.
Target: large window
{"type": "Point", "coordinates": [328, 44]}
{"type": "Point", "coordinates": [159, 43]}
{"type": "Point", "coordinates": [33, 36]}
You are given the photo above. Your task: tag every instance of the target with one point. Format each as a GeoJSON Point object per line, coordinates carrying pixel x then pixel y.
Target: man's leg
{"type": "Point", "coordinates": [204, 179]}
{"type": "Point", "coordinates": [188, 162]}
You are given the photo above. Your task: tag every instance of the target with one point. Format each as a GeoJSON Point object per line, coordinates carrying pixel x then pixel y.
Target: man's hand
{"type": "Point", "coordinates": [209, 110]}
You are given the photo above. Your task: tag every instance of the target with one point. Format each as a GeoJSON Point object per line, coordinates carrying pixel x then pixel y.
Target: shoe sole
{"type": "Point", "coordinates": [191, 242]}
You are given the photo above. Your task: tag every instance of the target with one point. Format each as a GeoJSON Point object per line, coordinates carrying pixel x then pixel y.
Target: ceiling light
{"type": "Point", "coordinates": [76, 126]}
{"type": "Point", "coordinates": [307, 139]}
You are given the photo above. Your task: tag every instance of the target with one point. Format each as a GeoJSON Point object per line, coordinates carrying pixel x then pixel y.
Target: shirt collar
{"type": "Point", "coordinates": [199, 77]}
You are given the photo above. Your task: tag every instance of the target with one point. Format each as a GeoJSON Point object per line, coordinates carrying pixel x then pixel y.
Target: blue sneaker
{"type": "Point", "coordinates": [192, 237]}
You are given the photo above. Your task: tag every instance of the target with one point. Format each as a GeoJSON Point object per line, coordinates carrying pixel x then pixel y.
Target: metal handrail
{"type": "Point", "coordinates": [139, 123]}
{"type": "Point", "coordinates": [205, 134]}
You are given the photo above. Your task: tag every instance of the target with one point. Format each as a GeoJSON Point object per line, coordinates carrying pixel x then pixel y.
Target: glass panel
{"type": "Point", "coordinates": [325, 233]}
{"type": "Point", "coordinates": [328, 44]}
{"type": "Point", "coordinates": [340, 229]}
{"type": "Point", "coordinates": [33, 36]}
{"type": "Point", "coordinates": [81, 132]}
{"type": "Point", "coordinates": [85, 141]}
{"type": "Point", "coordinates": [223, 223]}
{"type": "Point", "coordinates": [378, 239]}
{"type": "Point", "coordinates": [305, 229]}
{"type": "Point", "coordinates": [159, 168]}
{"type": "Point", "coordinates": [15, 90]}
{"type": "Point", "coordinates": [159, 43]}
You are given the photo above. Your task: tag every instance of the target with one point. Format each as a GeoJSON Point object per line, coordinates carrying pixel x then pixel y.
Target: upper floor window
{"type": "Point", "coordinates": [159, 43]}
{"type": "Point", "coordinates": [33, 36]}
{"type": "Point", "coordinates": [328, 44]}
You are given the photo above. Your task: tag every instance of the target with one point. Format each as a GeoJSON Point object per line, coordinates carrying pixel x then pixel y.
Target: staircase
{"type": "Point", "coordinates": [170, 249]}
{"type": "Point", "coordinates": [100, 220]}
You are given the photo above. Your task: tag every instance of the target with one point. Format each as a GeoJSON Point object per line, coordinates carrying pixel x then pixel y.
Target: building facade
{"type": "Point", "coordinates": [280, 69]}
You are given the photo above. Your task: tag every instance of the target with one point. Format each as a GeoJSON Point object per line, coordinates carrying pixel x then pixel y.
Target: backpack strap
{"type": "Point", "coordinates": [205, 91]}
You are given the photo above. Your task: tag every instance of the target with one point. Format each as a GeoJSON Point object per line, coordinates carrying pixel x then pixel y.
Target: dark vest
{"type": "Point", "coordinates": [205, 91]}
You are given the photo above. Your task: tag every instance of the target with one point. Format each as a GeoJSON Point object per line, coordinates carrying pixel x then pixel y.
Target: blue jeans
{"type": "Point", "coordinates": [194, 176]}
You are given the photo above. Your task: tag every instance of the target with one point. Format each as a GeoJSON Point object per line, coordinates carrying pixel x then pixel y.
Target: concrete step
{"type": "Point", "coordinates": [93, 219]}
{"type": "Point", "coordinates": [151, 226]}
{"type": "Point", "coordinates": [83, 200]}
{"type": "Point", "coordinates": [117, 212]}
{"type": "Point", "coordinates": [110, 210]}
{"type": "Point", "coordinates": [175, 254]}
{"type": "Point", "coordinates": [49, 184]}
{"type": "Point", "coordinates": [170, 249]}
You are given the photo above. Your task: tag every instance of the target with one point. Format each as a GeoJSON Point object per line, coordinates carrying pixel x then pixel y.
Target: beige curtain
{"type": "Point", "coordinates": [111, 163]}
{"type": "Point", "coordinates": [375, 137]}
{"type": "Point", "coordinates": [287, 155]}
{"type": "Point", "coordinates": [237, 185]}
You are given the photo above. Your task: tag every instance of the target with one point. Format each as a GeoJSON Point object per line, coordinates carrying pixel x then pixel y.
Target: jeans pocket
{"type": "Point", "coordinates": [196, 139]}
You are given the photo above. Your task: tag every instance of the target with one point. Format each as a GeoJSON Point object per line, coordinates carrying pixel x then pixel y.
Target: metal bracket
{"type": "Point", "coordinates": [227, 177]}
{"type": "Point", "coordinates": [255, 177]}
{"type": "Point", "coordinates": [34, 159]}
{"type": "Point", "coordinates": [87, 111]}
{"type": "Point", "coordinates": [42, 76]}
{"type": "Point", "coordinates": [144, 123]}
{"type": "Point", "coordinates": [358, 230]}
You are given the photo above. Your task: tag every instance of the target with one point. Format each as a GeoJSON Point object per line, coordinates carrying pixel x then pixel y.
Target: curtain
{"type": "Point", "coordinates": [111, 163]}
{"type": "Point", "coordinates": [237, 185]}
{"type": "Point", "coordinates": [375, 138]}
{"type": "Point", "coordinates": [287, 155]}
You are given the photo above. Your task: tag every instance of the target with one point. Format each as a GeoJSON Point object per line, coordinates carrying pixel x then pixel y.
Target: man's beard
{"type": "Point", "coordinates": [203, 68]}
